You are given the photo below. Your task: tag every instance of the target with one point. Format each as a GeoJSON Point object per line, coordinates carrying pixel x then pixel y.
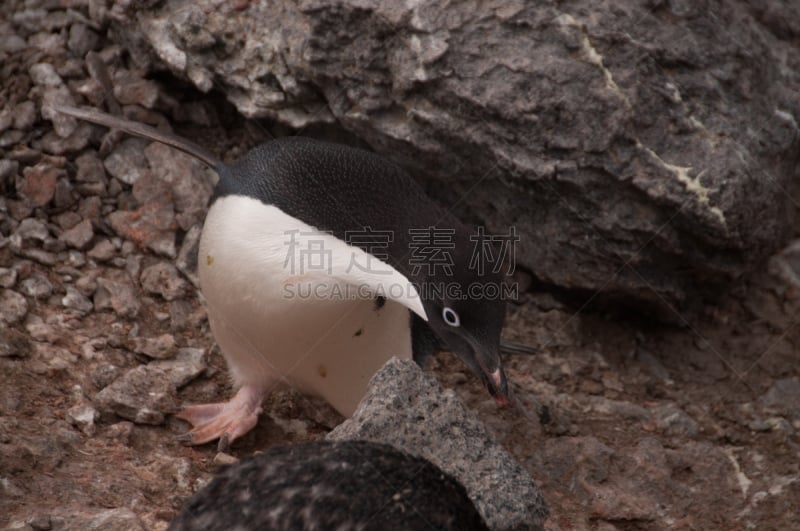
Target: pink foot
{"type": "Point", "coordinates": [224, 421]}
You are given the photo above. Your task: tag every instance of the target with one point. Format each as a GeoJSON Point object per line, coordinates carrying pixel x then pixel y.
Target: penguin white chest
{"type": "Point", "coordinates": [289, 303]}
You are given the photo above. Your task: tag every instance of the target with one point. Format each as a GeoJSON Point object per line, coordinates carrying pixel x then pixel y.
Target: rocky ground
{"type": "Point", "coordinates": [634, 425]}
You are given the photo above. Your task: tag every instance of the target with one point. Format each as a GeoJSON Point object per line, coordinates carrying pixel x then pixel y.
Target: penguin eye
{"type": "Point", "coordinates": [450, 316]}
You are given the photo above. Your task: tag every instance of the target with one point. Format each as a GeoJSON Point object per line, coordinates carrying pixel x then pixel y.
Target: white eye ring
{"type": "Point", "coordinates": [451, 317]}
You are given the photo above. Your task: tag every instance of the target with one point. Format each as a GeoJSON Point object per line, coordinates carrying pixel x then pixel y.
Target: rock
{"type": "Point", "coordinates": [13, 306]}
{"type": "Point", "coordinates": [408, 409]}
{"type": "Point", "coordinates": [9, 138]}
{"type": "Point", "coordinates": [44, 74]}
{"type": "Point", "coordinates": [143, 395]}
{"type": "Point", "coordinates": [24, 115]}
{"type": "Point", "coordinates": [79, 236]}
{"type": "Point", "coordinates": [32, 231]}
{"type": "Point", "coordinates": [672, 420]}
{"type": "Point", "coordinates": [38, 184]}
{"type": "Point", "coordinates": [783, 398]}
{"type": "Point", "coordinates": [103, 251]}
{"type": "Point", "coordinates": [37, 286]}
{"type": "Point", "coordinates": [187, 365]}
{"type": "Point", "coordinates": [187, 257]}
{"type": "Point", "coordinates": [188, 179]}
{"type": "Point", "coordinates": [133, 90]}
{"type": "Point", "coordinates": [91, 175]}
{"type": "Point", "coordinates": [127, 162]}
{"type": "Point", "coordinates": [13, 343]}
{"type": "Point", "coordinates": [122, 519]}
{"type": "Point", "coordinates": [63, 124]}
{"type": "Point", "coordinates": [82, 39]}
{"type": "Point", "coordinates": [160, 347]}
{"type": "Point", "coordinates": [8, 277]}
{"type": "Point", "coordinates": [165, 280]}
{"type": "Point", "coordinates": [83, 416]}
{"type": "Point", "coordinates": [64, 197]}
{"type": "Point", "coordinates": [151, 226]}
{"type": "Point", "coordinates": [118, 296]}
{"type": "Point", "coordinates": [539, 113]}
{"type": "Point", "coordinates": [75, 300]}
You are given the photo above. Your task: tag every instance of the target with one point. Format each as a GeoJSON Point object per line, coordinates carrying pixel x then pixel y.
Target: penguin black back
{"type": "Point", "coordinates": [351, 485]}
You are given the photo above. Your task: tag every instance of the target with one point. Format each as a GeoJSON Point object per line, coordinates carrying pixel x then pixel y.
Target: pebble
{"type": "Point", "coordinates": [164, 279]}
{"type": "Point", "coordinates": [63, 124]}
{"type": "Point", "coordinates": [151, 226]}
{"type": "Point", "coordinates": [83, 416]}
{"type": "Point", "coordinates": [31, 230]}
{"type": "Point", "coordinates": [127, 161]}
{"type": "Point", "coordinates": [79, 236]}
{"type": "Point", "coordinates": [103, 251]}
{"type": "Point", "coordinates": [37, 286]}
{"type": "Point", "coordinates": [45, 74]}
{"type": "Point", "coordinates": [8, 277]}
{"type": "Point", "coordinates": [75, 300]}
{"type": "Point", "coordinates": [82, 39]}
{"type": "Point", "coordinates": [187, 365]}
{"type": "Point", "coordinates": [24, 115]}
{"type": "Point", "coordinates": [118, 296]}
{"type": "Point", "coordinates": [143, 395]}
{"type": "Point", "coordinates": [160, 347]}
{"type": "Point", "coordinates": [13, 306]}
{"type": "Point", "coordinates": [783, 397]}
{"type": "Point", "coordinates": [38, 184]}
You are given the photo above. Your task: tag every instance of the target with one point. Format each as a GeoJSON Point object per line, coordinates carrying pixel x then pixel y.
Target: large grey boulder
{"type": "Point", "coordinates": [641, 149]}
{"type": "Point", "coordinates": [407, 408]}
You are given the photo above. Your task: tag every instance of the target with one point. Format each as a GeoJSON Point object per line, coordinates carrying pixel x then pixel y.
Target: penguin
{"type": "Point", "coordinates": [345, 485]}
{"type": "Point", "coordinates": [313, 266]}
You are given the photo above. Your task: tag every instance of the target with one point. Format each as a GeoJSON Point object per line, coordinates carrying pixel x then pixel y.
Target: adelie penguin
{"type": "Point", "coordinates": [307, 264]}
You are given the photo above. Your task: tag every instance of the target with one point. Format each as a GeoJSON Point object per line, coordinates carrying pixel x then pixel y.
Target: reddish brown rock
{"type": "Point", "coordinates": [38, 184]}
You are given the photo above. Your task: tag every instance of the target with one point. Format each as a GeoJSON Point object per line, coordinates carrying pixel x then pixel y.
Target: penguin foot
{"type": "Point", "coordinates": [226, 421]}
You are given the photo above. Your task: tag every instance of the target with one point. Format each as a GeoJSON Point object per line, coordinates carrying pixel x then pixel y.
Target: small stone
{"type": "Point", "coordinates": [82, 39]}
{"type": "Point", "coordinates": [37, 286]}
{"type": "Point", "coordinates": [76, 141]}
{"type": "Point", "coordinates": [79, 236]}
{"type": "Point", "coordinates": [121, 431]}
{"type": "Point", "coordinates": [64, 196]}
{"type": "Point", "coordinates": [103, 251]}
{"type": "Point", "coordinates": [12, 44]}
{"type": "Point", "coordinates": [131, 90]}
{"type": "Point", "coordinates": [63, 124]}
{"type": "Point", "coordinates": [8, 277]}
{"type": "Point", "coordinates": [24, 115]}
{"type": "Point", "coordinates": [187, 365]}
{"type": "Point", "coordinates": [187, 257]}
{"type": "Point", "coordinates": [38, 184]}
{"type": "Point", "coordinates": [83, 416]}
{"type": "Point", "coordinates": [8, 172]}
{"type": "Point", "coordinates": [127, 162]}
{"type": "Point", "coordinates": [13, 306]}
{"type": "Point", "coordinates": [41, 522]}
{"type": "Point", "coordinates": [783, 398]}
{"type": "Point", "coordinates": [165, 280]}
{"type": "Point", "coordinates": [151, 226]}
{"type": "Point", "coordinates": [143, 395]}
{"type": "Point", "coordinates": [223, 459]}
{"type": "Point", "coordinates": [104, 374]}
{"type": "Point", "coordinates": [39, 330]}
{"type": "Point", "coordinates": [45, 74]}
{"type": "Point", "coordinates": [160, 347]}
{"type": "Point", "coordinates": [118, 296]}
{"type": "Point", "coordinates": [31, 230]}
{"type": "Point", "coordinates": [75, 300]}
{"type": "Point", "coordinates": [67, 220]}
{"type": "Point", "coordinates": [672, 420]}
{"type": "Point", "coordinates": [86, 285]}
{"type": "Point", "coordinates": [111, 520]}
{"type": "Point", "coordinates": [13, 343]}
{"type": "Point", "coordinates": [11, 137]}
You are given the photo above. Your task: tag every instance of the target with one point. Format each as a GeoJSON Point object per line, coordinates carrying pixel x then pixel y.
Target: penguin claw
{"type": "Point", "coordinates": [224, 421]}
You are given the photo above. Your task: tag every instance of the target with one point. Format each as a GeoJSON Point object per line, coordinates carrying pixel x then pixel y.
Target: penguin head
{"type": "Point", "coordinates": [471, 328]}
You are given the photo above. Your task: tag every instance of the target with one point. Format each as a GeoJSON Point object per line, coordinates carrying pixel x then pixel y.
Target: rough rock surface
{"type": "Point", "coordinates": [639, 148]}
{"type": "Point", "coordinates": [408, 409]}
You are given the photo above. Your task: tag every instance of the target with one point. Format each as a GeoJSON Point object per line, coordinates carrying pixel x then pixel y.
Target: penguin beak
{"type": "Point", "coordinates": [494, 380]}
